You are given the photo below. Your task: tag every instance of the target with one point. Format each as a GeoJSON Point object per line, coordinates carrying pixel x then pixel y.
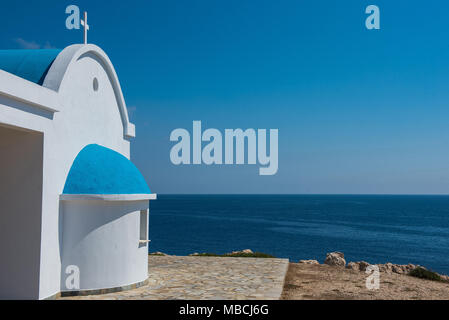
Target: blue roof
{"type": "Point", "coordinates": [99, 170]}
{"type": "Point", "coordinates": [31, 65]}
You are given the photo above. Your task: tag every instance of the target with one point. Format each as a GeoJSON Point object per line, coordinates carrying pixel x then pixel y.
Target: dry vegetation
{"type": "Point", "coordinates": [318, 282]}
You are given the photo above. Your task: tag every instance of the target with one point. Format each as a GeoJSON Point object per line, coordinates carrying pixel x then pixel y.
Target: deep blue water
{"type": "Point", "coordinates": [374, 228]}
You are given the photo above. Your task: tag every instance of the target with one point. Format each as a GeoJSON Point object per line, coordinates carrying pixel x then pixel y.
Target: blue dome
{"type": "Point", "coordinates": [31, 65]}
{"type": "Point", "coordinates": [99, 170]}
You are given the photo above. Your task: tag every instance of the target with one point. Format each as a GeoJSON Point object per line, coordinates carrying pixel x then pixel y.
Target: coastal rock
{"type": "Point", "coordinates": [396, 268]}
{"type": "Point", "coordinates": [309, 261]}
{"type": "Point", "coordinates": [243, 251]}
{"type": "Point", "coordinates": [358, 266]}
{"type": "Point", "coordinates": [410, 267]}
{"type": "Point", "coordinates": [157, 253]}
{"type": "Point", "coordinates": [353, 266]}
{"type": "Point", "coordinates": [387, 267]}
{"type": "Point", "coordinates": [335, 259]}
{"type": "Point", "coordinates": [363, 265]}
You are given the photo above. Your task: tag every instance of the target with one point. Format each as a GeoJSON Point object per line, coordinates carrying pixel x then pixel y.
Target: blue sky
{"type": "Point", "coordinates": [358, 111]}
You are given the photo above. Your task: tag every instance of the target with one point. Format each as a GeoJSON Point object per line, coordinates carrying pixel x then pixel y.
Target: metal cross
{"type": "Point", "coordinates": [86, 26]}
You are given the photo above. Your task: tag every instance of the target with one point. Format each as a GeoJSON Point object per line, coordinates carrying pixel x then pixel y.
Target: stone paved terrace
{"type": "Point", "coordinates": [207, 278]}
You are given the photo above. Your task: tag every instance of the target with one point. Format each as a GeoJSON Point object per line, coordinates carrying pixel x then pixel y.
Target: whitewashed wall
{"type": "Point", "coordinates": [102, 240]}
{"type": "Point", "coordinates": [85, 116]}
{"type": "Point", "coordinates": [20, 213]}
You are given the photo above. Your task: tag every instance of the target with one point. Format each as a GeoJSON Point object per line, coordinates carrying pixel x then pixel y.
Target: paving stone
{"type": "Point", "coordinates": [206, 278]}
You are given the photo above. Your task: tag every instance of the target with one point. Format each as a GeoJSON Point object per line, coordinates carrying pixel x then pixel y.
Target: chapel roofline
{"type": "Point", "coordinates": [45, 96]}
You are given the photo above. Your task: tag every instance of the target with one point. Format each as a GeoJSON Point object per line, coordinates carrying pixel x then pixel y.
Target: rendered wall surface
{"type": "Point", "coordinates": [85, 114]}
{"type": "Point", "coordinates": [86, 117]}
{"type": "Point", "coordinates": [101, 238]}
{"type": "Point", "coordinates": [20, 213]}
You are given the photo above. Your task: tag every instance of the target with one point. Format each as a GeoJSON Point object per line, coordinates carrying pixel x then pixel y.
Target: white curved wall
{"type": "Point", "coordinates": [86, 116]}
{"type": "Point", "coordinates": [102, 238]}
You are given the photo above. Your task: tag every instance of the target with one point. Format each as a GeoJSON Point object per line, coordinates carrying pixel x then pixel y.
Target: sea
{"type": "Point", "coordinates": [399, 229]}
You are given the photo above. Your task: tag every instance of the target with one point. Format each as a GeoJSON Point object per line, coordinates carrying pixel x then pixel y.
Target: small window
{"type": "Point", "coordinates": [95, 84]}
{"type": "Point", "coordinates": [144, 225]}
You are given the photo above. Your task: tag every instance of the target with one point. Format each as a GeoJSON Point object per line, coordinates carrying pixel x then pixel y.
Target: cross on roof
{"type": "Point", "coordinates": [86, 26]}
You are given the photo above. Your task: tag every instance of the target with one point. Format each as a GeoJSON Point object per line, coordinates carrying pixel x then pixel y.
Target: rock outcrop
{"type": "Point", "coordinates": [387, 267]}
{"type": "Point", "coordinates": [363, 265]}
{"type": "Point", "coordinates": [358, 266]}
{"type": "Point", "coordinates": [157, 253]}
{"type": "Point", "coordinates": [353, 266]}
{"type": "Point", "coordinates": [444, 277]}
{"type": "Point", "coordinates": [309, 261]}
{"type": "Point", "coordinates": [243, 251]}
{"type": "Point", "coordinates": [335, 259]}
{"type": "Point", "coordinates": [338, 259]}
{"type": "Point", "coordinates": [396, 268]}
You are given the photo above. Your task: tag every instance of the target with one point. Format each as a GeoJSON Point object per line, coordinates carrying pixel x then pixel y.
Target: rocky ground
{"type": "Point", "coordinates": [336, 279]}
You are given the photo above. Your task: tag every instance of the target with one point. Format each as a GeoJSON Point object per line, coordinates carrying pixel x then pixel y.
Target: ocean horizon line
{"type": "Point", "coordinates": [304, 194]}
